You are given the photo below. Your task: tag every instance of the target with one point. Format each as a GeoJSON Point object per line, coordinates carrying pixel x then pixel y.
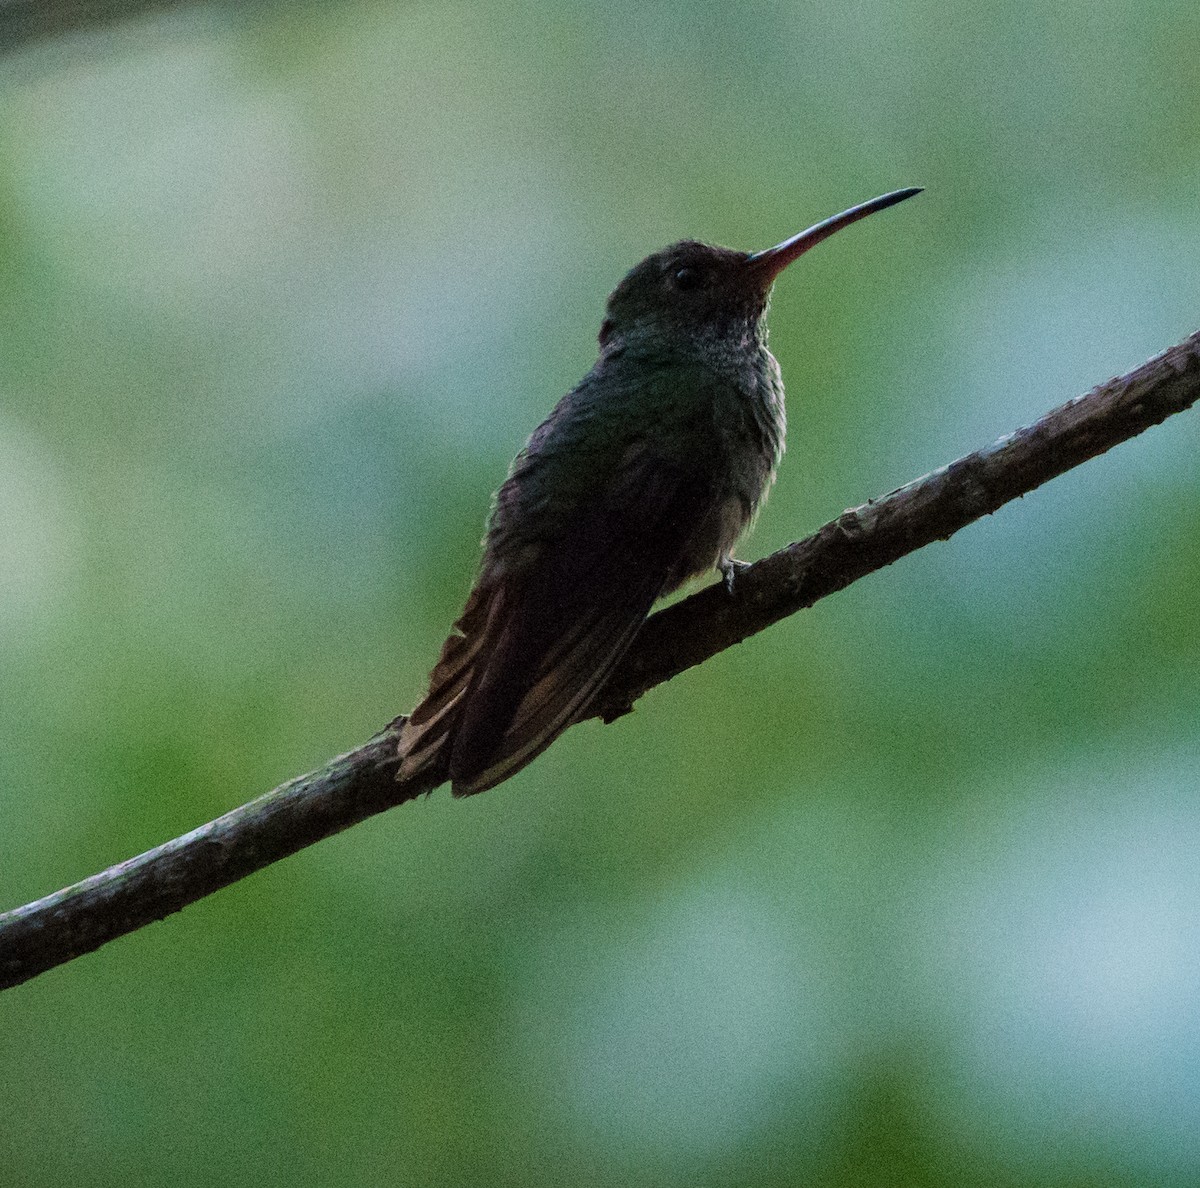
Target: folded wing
{"type": "Point", "coordinates": [537, 641]}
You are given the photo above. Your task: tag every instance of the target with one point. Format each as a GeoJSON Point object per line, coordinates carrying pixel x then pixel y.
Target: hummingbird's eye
{"type": "Point", "coordinates": [687, 278]}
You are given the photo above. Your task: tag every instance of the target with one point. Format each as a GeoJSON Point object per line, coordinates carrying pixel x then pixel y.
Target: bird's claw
{"type": "Point", "coordinates": [730, 569]}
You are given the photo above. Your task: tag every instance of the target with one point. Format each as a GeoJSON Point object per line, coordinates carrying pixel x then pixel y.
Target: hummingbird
{"type": "Point", "coordinates": [644, 475]}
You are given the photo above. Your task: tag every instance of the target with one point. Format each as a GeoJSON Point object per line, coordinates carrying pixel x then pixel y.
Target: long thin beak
{"type": "Point", "coordinates": [770, 263]}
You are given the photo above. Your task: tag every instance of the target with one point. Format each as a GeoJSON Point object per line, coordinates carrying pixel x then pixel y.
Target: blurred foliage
{"type": "Point", "coordinates": [902, 892]}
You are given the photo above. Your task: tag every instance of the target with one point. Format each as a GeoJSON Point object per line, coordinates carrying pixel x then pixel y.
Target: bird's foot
{"type": "Point", "coordinates": [730, 569]}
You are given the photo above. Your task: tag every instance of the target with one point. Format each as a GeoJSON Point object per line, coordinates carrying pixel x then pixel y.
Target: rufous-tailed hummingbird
{"type": "Point", "coordinates": [644, 475]}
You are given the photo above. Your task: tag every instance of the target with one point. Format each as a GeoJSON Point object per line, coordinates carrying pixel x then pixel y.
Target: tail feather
{"type": "Point", "coordinates": [431, 726]}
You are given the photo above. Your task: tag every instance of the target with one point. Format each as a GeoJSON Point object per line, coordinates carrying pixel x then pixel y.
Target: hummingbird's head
{"type": "Point", "coordinates": [693, 290]}
{"type": "Point", "coordinates": [685, 289]}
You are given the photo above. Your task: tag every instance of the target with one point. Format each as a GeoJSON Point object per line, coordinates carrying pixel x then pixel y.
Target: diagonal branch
{"type": "Point", "coordinates": [362, 782]}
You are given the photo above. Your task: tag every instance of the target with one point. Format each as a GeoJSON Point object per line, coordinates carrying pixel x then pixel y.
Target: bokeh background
{"type": "Point", "coordinates": [904, 892]}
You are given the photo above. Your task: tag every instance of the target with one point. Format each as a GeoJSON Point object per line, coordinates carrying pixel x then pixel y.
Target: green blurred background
{"type": "Point", "coordinates": [904, 892]}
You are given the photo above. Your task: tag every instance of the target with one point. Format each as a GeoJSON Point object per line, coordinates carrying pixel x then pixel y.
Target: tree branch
{"type": "Point", "coordinates": [362, 782]}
